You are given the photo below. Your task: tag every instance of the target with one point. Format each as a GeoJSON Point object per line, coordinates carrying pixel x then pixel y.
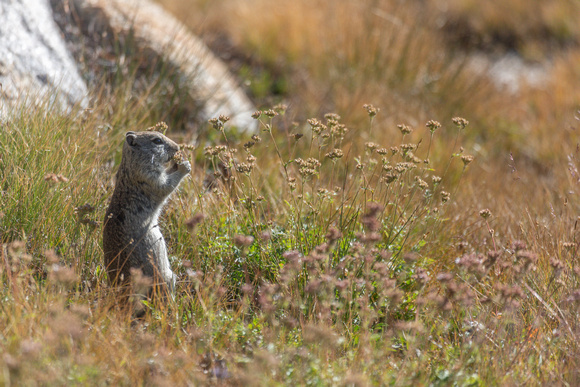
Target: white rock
{"type": "Point", "coordinates": [34, 62]}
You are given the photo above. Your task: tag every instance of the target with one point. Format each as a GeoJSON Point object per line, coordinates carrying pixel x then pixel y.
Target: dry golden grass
{"type": "Point", "coordinates": [336, 56]}
{"type": "Point", "coordinates": [340, 55]}
{"type": "Point", "coordinates": [531, 28]}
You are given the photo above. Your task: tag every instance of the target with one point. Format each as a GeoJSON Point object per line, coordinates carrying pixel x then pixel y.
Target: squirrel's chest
{"type": "Point", "coordinates": [155, 238]}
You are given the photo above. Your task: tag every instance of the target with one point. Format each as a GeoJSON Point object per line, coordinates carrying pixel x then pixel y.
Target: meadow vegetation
{"type": "Point", "coordinates": [368, 234]}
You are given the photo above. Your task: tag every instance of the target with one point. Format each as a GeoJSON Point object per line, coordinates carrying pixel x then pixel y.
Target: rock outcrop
{"type": "Point", "coordinates": [34, 62]}
{"type": "Point", "coordinates": [155, 30]}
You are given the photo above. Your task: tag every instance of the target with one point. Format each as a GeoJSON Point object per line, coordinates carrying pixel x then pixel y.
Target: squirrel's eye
{"type": "Point", "coordinates": [157, 141]}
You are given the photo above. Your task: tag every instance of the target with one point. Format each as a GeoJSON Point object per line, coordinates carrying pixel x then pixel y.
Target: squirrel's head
{"type": "Point", "coordinates": [149, 150]}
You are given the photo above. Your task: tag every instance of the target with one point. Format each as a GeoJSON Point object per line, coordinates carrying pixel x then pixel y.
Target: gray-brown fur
{"type": "Point", "coordinates": [131, 236]}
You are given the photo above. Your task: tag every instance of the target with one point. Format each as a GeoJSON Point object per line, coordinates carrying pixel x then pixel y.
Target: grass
{"type": "Point", "coordinates": [323, 251]}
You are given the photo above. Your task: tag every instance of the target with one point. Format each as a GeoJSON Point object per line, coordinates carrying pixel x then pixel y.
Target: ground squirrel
{"type": "Point", "coordinates": [151, 169]}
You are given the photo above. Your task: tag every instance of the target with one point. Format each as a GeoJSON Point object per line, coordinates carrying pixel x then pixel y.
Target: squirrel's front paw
{"type": "Point", "coordinates": [184, 167]}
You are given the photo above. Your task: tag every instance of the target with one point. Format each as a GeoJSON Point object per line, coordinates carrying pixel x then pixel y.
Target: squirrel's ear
{"type": "Point", "coordinates": [131, 138]}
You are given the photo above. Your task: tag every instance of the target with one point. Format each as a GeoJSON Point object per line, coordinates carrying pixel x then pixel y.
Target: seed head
{"type": "Point", "coordinates": [307, 171]}
{"type": "Point", "coordinates": [293, 258]}
{"type": "Point", "coordinates": [444, 277]}
{"type": "Point", "coordinates": [335, 154]}
{"type": "Point", "coordinates": [311, 162]}
{"type": "Point", "coordinates": [369, 220]}
{"type": "Point", "coordinates": [485, 213]}
{"type": "Point", "coordinates": [339, 129]}
{"type": "Point", "coordinates": [313, 122]}
{"type": "Point", "coordinates": [257, 114]}
{"type": "Point", "coordinates": [371, 110]}
{"type": "Point", "coordinates": [574, 297]}
{"type": "Point", "coordinates": [527, 256]}
{"type": "Point", "coordinates": [421, 183]}
{"type": "Point", "coordinates": [332, 117]}
{"type": "Point", "coordinates": [244, 168]}
{"type": "Point", "coordinates": [408, 147]}
{"type": "Point", "coordinates": [421, 276]}
{"type": "Point", "coordinates": [389, 178]}
{"type": "Point", "coordinates": [519, 245]}
{"type": "Point", "coordinates": [187, 147]}
{"type": "Point", "coordinates": [83, 210]}
{"type": "Point", "coordinates": [557, 265]}
{"type": "Point", "coordinates": [55, 178]}
{"type": "Point", "coordinates": [216, 123]}
{"type": "Point", "coordinates": [62, 275]}
{"type": "Point", "coordinates": [433, 125]}
{"type": "Point", "coordinates": [466, 159]}
{"type": "Point", "coordinates": [243, 240]}
{"type": "Point", "coordinates": [460, 122]}
{"type": "Point", "coordinates": [403, 167]}
{"type": "Point", "coordinates": [159, 127]}
{"type": "Point", "coordinates": [179, 157]}
{"type": "Point", "coordinates": [333, 234]}
{"type": "Point", "coordinates": [371, 146]}
{"type": "Point", "coordinates": [569, 245]}
{"type": "Point", "coordinates": [410, 157]}
{"type": "Point", "coordinates": [404, 129]}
